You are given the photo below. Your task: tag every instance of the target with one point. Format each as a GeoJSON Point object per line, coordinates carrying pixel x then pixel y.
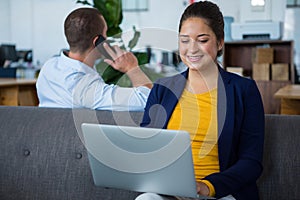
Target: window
{"type": "Point", "coordinates": [135, 5]}
{"type": "Point", "coordinates": [258, 2]}
{"type": "Point", "coordinates": [258, 5]}
{"type": "Point", "coordinates": [293, 3]}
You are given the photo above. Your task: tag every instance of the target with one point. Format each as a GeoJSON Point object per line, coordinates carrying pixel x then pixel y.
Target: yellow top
{"type": "Point", "coordinates": [197, 114]}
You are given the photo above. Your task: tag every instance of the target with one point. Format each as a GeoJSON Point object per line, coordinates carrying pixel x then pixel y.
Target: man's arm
{"type": "Point", "coordinates": [126, 62]}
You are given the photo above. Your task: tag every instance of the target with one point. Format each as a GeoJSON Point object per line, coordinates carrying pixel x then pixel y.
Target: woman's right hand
{"type": "Point", "coordinates": [202, 189]}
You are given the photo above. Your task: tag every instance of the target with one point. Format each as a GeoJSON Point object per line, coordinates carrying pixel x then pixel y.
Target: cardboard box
{"type": "Point", "coordinates": [280, 71]}
{"type": "Point", "coordinates": [261, 71]}
{"type": "Point", "coordinates": [236, 70]}
{"type": "Point", "coordinates": [262, 55]}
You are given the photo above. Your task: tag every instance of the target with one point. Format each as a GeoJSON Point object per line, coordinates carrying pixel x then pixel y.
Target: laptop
{"type": "Point", "coordinates": [141, 159]}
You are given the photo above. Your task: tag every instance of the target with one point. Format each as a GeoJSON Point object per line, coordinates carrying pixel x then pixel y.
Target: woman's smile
{"type": "Point", "coordinates": [194, 58]}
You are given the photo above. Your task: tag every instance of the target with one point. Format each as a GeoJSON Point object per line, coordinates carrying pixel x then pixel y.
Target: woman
{"type": "Point", "coordinates": [223, 112]}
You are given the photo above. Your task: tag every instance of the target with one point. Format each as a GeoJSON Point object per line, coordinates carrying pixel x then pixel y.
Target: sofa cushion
{"type": "Point", "coordinates": [42, 156]}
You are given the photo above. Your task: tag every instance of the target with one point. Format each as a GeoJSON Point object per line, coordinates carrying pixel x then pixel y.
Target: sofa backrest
{"type": "Point", "coordinates": [42, 155]}
{"type": "Point", "coordinates": [281, 175]}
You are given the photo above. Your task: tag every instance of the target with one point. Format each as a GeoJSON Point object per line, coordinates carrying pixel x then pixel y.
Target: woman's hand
{"type": "Point", "coordinates": [202, 189]}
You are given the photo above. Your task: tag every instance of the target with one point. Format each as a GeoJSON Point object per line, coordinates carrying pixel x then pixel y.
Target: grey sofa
{"type": "Point", "coordinates": [42, 156]}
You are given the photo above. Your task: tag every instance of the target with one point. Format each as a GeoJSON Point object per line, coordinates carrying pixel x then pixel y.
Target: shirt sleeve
{"type": "Point", "coordinates": [92, 92]}
{"type": "Point", "coordinates": [212, 191]}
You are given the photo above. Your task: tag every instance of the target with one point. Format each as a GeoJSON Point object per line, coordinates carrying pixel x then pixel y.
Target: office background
{"type": "Point", "coordinates": [38, 24]}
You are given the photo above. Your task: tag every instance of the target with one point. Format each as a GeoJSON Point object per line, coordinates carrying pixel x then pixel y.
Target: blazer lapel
{"type": "Point", "coordinates": [226, 112]}
{"type": "Point", "coordinates": [175, 89]}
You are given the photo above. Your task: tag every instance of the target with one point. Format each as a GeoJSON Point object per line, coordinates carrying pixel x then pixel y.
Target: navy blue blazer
{"type": "Point", "coordinates": [240, 129]}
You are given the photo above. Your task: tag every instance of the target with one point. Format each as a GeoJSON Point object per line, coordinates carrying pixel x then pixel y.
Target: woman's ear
{"type": "Point", "coordinates": [220, 44]}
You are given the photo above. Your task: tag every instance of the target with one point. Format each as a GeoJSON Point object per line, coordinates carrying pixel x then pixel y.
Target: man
{"type": "Point", "coordinates": [70, 80]}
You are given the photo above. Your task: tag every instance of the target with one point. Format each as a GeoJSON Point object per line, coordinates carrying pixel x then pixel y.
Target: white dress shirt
{"type": "Point", "coordinates": [67, 83]}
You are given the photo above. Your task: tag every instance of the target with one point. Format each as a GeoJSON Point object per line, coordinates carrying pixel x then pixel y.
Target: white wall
{"type": "Point", "coordinates": [159, 25]}
{"type": "Point", "coordinates": [163, 14]}
{"type": "Point", "coordinates": [5, 21]}
{"type": "Point", "coordinates": [38, 24]}
{"type": "Point", "coordinates": [274, 10]}
{"type": "Point", "coordinates": [292, 32]}
{"type": "Point", "coordinates": [22, 23]}
{"type": "Point", "coordinates": [48, 18]}
{"type": "Point", "coordinates": [229, 8]}
{"type": "Point", "coordinates": [35, 24]}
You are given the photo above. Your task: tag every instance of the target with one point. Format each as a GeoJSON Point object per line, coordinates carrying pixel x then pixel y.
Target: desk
{"type": "Point", "coordinates": [290, 99]}
{"type": "Point", "coordinates": [18, 92]}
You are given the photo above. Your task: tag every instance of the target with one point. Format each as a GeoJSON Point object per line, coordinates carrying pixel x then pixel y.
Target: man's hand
{"type": "Point", "coordinates": [123, 61]}
{"type": "Point", "coordinates": [126, 62]}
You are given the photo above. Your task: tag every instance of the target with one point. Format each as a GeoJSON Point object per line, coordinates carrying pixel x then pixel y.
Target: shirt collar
{"type": "Point", "coordinates": [80, 66]}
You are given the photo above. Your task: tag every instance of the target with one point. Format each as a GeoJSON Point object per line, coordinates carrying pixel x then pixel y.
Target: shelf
{"type": "Point", "coordinates": [239, 54]}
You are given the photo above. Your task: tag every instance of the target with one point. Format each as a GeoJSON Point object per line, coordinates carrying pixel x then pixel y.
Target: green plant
{"type": "Point", "coordinates": [111, 11]}
{"type": "Point", "coordinates": [113, 15]}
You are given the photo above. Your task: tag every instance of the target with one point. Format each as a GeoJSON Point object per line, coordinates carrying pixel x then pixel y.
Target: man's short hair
{"type": "Point", "coordinates": [81, 27]}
